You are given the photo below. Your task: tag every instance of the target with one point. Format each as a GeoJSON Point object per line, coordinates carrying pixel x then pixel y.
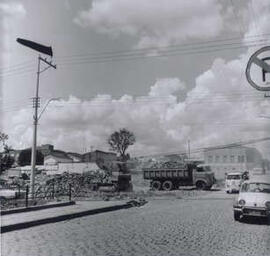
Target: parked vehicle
{"type": "Point", "coordinates": [233, 182]}
{"type": "Point", "coordinates": [254, 198]}
{"type": "Point", "coordinates": [169, 176]}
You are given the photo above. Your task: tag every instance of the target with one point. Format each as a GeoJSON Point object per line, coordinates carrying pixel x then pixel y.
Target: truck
{"type": "Point", "coordinates": [169, 176]}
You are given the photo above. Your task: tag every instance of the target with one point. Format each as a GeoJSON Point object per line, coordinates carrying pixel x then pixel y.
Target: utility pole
{"type": "Point", "coordinates": [36, 100]}
{"type": "Point", "coordinates": [36, 105]}
{"type": "Point", "coordinates": [189, 149]}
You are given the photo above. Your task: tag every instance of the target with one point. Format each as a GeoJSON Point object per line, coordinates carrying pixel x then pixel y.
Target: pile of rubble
{"type": "Point", "coordinates": [167, 165]}
{"type": "Point", "coordinates": [61, 183]}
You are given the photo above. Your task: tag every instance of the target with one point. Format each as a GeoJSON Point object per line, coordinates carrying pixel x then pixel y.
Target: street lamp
{"type": "Point", "coordinates": [46, 105]}
{"type": "Point", "coordinates": [36, 100]}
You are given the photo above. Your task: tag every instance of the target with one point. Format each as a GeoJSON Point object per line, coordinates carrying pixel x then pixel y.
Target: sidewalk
{"type": "Point", "coordinates": [23, 220]}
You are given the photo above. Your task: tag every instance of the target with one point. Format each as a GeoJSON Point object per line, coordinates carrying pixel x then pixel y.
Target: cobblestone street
{"type": "Point", "coordinates": [196, 226]}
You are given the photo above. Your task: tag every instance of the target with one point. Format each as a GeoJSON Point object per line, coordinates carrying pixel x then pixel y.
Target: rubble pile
{"type": "Point", "coordinates": [167, 165]}
{"type": "Point", "coordinates": [61, 183]}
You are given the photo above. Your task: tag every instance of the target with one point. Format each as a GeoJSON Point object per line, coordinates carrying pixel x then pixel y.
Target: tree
{"type": "Point", "coordinates": [119, 141]}
{"type": "Point", "coordinates": [3, 139]}
{"type": "Point", "coordinates": [25, 157]}
{"type": "Point", "coordinates": [6, 161]}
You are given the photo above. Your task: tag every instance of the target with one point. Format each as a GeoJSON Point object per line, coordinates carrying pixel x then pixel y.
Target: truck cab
{"type": "Point", "coordinates": [203, 177]}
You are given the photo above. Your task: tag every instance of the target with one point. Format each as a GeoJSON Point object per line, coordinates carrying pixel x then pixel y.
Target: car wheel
{"type": "Point", "coordinates": [156, 185]}
{"type": "Point", "coordinates": [236, 215]}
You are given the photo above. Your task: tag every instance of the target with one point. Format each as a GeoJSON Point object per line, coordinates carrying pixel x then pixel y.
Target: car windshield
{"type": "Point", "coordinates": [233, 177]}
{"type": "Point", "coordinates": [256, 187]}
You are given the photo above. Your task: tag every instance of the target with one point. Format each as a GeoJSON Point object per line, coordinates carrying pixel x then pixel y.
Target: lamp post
{"type": "Point", "coordinates": [36, 100]}
{"type": "Point", "coordinates": [46, 105]}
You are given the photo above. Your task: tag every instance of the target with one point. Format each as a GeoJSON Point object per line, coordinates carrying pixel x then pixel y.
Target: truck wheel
{"type": "Point", "coordinates": [200, 185]}
{"type": "Point", "coordinates": [167, 185]}
{"type": "Point", "coordinates": [155, 185]}
{"type": "Point", "coordinates": [236, 215]}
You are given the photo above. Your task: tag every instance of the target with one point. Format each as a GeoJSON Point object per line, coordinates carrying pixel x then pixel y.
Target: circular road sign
{"type": "Point", "coordinates": [254, 59]}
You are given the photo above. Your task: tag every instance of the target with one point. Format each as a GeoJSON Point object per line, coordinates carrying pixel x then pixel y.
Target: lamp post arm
{"type": "Point", "coordinates": [45, 106]}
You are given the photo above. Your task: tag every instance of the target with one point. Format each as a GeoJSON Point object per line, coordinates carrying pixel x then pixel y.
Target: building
{"type": "Point", "coordinates": [75, 157]}
{"type": "Point", "coordinates": [46, 149]}
{"type": "Point", "coordinates": [237, 158]}
{"type": "Point", "coordinates": [57, 156]}
{"type": "Point", "coordinates": [99, 156]}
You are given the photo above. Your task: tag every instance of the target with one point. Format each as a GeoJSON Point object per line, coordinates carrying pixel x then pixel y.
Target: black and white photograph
{"type": "Point", "coordinates": [135, 128]}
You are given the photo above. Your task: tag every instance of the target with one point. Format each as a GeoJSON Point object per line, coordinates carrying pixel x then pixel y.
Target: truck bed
{"type": "Point", "coordinates": [172, 173]}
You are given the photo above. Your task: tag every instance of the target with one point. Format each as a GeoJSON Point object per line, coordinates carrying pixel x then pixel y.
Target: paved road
{"type": "Point", "coordinates": [202, 226]}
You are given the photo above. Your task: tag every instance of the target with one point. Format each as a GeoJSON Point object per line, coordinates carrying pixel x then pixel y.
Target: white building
{"type": "Point", "coordinates": [225, 160]}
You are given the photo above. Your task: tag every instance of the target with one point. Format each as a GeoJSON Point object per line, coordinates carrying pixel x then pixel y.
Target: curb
{"type": "Point", "coordinates": [36, 208]}
{"type": "Point", "coordinates": [18, 226]}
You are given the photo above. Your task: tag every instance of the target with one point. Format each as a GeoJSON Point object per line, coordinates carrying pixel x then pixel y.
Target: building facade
{"type": "Point", "coordinates": [234, 159]}
{"type": "Point", "coordinates": [56, 157]}
{"type": "Point", "coordinates": [46, 149]}
{"type": "Point", "coordinates": [98, 155]}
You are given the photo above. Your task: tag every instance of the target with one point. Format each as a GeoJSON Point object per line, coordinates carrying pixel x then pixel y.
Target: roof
{"type": "Point", "coordinates": [234, 173]}
{"type": "Point", "coordinates": [58, 154]}
{"type": "Point", "coordinates": [74, 154]}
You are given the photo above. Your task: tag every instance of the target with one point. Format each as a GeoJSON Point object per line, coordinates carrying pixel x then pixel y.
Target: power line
{"type": "Point", "coordinates": [108, 60]}
{"type": "Point", "coordinates": [210, 148]}
{"type": "Point", "coordinates": [147, 49]}
{"type": "Point", "coordinates": [168, 51]}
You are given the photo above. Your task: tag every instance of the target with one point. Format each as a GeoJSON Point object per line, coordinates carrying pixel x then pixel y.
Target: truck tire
{"type": "Point", "coordinates": [200, 185]}
{"type": "Point", "coordinates": [167, 185]}
{"type": "Point", "coordinates": [155, 185]}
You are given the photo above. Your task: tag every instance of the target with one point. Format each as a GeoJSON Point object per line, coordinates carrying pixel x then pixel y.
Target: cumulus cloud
{"type": "Point", "coordinates": [221, 108]}
{"type": "Point", "coordinates": [12, 8]}
{"type": "Point", "coordinates": [155, 22]}
{"type": "Point", "coordinates": [9, 12]}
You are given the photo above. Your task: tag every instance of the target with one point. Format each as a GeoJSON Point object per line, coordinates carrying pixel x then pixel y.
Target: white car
{"type": "Point", "coordinates": [253, 198]}
{"type": "Point", "coordinates": [233, 182]}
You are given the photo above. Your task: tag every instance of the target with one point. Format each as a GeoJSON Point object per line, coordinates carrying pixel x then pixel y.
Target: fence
{"type": "Point", "coordinates": [18, 196]}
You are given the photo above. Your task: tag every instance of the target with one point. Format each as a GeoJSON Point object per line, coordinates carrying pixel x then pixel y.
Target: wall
{"type": "Point", "coordinates": [238, 159]}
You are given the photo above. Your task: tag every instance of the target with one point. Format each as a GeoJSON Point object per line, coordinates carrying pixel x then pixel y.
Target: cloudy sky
{"type": "Point", "coordinates": [169, 71]}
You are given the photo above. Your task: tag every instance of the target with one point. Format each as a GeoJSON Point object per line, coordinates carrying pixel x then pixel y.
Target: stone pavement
{"type": "Point", "coordinates": [172, 227]}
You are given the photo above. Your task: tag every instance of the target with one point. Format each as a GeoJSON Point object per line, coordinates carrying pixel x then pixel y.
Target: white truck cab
{"type": "Point", "coordinates": [233, 182]}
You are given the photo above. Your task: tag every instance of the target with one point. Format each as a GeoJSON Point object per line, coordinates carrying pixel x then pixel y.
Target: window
{"type": "Point", "coordinates": [242, 159]}
{"type": "Point", "coordinates": [239, 159]}
{"type": "Point", "coordinates": [217, 159]}
{"type": "Point", "coordinates": [224, 159]}
{"type": "Point", "coordinates": [232, 159]}
{"type": "Point", "coordinates": [233, 177]}
{"type": "Point", "coordinates": [210, 159]}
